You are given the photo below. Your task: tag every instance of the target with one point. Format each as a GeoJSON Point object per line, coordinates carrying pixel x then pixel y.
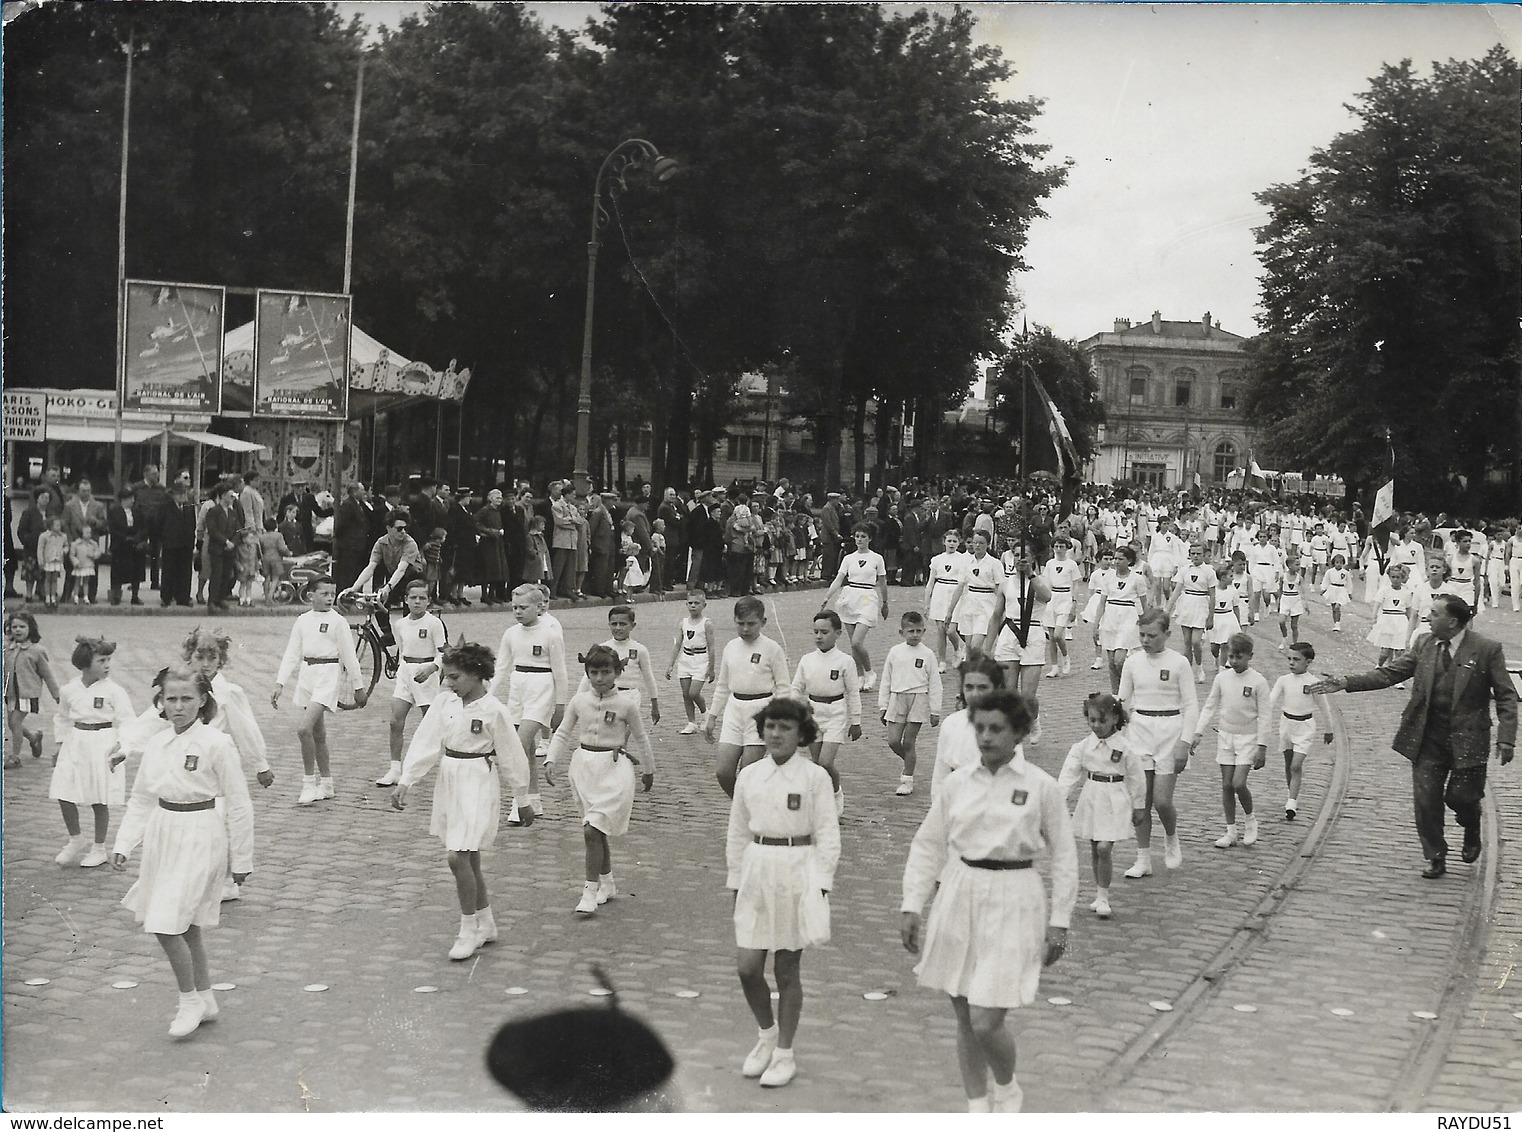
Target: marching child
{"type": "Point", "coordinates": [1423, 590]}
{"type": "Point", "coordinates": [187, 845]}
{"type": "Point", "coordinates": [1396, 618]}
{"type": "Point", "coordinates": [1114, 796]}
{"type": "Point", "coordinates": [420, 639]}
{"type": "Point", "coordinates": [1105, 569]}
{"type": "Point", "coordinates": [637, 676]}
{"type": "Point", "coordinates": [945, 575]}
{"type": "Point", "coordinates": [1228, 611]}
{"type": "Point", "coordinates": [1059, 574]}
{"type": "Point", "coordinates": [531, 670]}
{"type": "Point", "coordinates": [1321, 545]}
{"type": "Point", "coordinates": [84, 552]}
{"type": "Point", "coordinates": [1238, 704]}
{"type": "Point", "coordinates": [465, 733]}
{"type": "Point", "coordinates": [321, 658]}
{"type": "Point", "coordinates": [1243, 585]}
{"type": "Point", "coordinates": [909, 695]}
{"type": "Point", "coordinates": [27, 673]}
{"type": "Point", "coordinates": [1291, 603]}
{"type": "Point", "coordinates": [1293, 705]}
{"type": "Point", "coordinates": [692, 656]}
{"type": "Point", "coordinates": [87, 768]}
{"type": "Point", "coordinates": [782, 849]}
{"type": "Point", "coordinates": [752, 670]}
{"type": "Point", "coordinates": [1193, 606]}
{"type": "Point", "coordinates": [52, 548]}
{"type": "Point", "coordinates": [604, 722]}
{"type": "Point", "coordinates": [829, 680]}
{"type": "Point", "coordinates": [1122, 599]}
{"type": "Point", "coordinates": [1334, 589]}
{"type": "Point", "coordinates": [972, 602]}
{"type": "Point", "coordinates": [957, 746]}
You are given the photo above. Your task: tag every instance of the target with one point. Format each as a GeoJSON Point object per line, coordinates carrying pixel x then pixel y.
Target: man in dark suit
{"type": "Point", "coordinates": [602, 542]}
{"type": "Point", "coordinates": [177, 540]}
{"type": "Point", "coordinates": [351, 535]}
{"type": "Point", "coordinates": [222, 524]}
{"type": "Point", "coordinates": [1445, 729]}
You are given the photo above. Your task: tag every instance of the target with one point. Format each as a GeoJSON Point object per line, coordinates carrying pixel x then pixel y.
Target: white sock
{"type": "Point", "coordinates": [100, 846]}
{"type": "Point", "coordinates": [1102, 894]}
{"type": "Point", "coordinates": [978, 1104]}
{"type": "Point", "coordinates": [590, 886]}
{"type": "Point", "coordinates": [189, 998]}
{"type": "Point", "coordinates": [396, 767]}
{"type": "Point", "coordinates": [769, 1032]}
{"type": "Point", "coordinates": [605, 878]}
{"type": "Point", "coordinates": [906, 778]}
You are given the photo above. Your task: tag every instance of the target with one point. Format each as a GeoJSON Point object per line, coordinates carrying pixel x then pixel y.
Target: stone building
{"type": "Point", "coordinates": [1173, 395]}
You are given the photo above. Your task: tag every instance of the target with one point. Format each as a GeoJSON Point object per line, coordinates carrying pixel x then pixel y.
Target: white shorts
{"type": "Point", "coordinates": [830, 718]}
{"type": "Point", "coordinates": [531, 697]}
{"type": "Point", "coordinates": [940, 601]}
{"type": "Point", "coordinates": [692, 665]}
{"type": "Point", "coordinates": [857, 606]}
{"type": "Point", "coordinates": [972, 620]}
{"type": "Point", "coordinates": [318, 684]}
{"type": "Point", "coordinates": [1236, 750]}
{"type": "Point", "coordinates": [1264, 580]}
{"type": "Point", "coordinates": [909, 707]}
{"type": "Point", "coordinates": [1153, 737]}
{"type": "Point", "coordinates": [1292, 605]}
{"type": "Point", "coordinates": [409, 691]}
{"type": "Point", "coordinates": [1297, 734]}
{"type": "Point", "coordinates": [739, 726]}
{"type": "Point", "coordinates": [1007, 646]}
{"type": "Point", "coordinates": [1059, 611]}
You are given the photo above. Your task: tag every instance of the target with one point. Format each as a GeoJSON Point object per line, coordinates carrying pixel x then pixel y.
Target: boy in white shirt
{"type": "Point", "coordinates": [946, 571]}
{"type": "Point", "coordinates": [1293, 705]}
{"type": "Point", "coordinates": [1463, 570]}
{"type": "Point", "coordinates": [420, 638]}
{"type": "Point", "coordinates": [692, 658]}
{"type": "Point", "coordinates": [828, 678]}
{"type": "Point", "coordinates": [909, 694]}
{"type": "Point", "coordinates": [321, 656]}
{"type": "Point", "coordinates": [1239, 701]}
{"type": "Point", "coordinates": [752, 670]}
{"type": "Point", "coordinates": [637, 676]}
{"type": "Point", "coordinates": [530, 680]}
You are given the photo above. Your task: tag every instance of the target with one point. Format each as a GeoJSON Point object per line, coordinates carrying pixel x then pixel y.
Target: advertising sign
{"type": "Point", "coordinates": [301, 355]}
{"type": "Point", "coordinates": [172, 356]}
{"type": "Point", "coordinates": [25, 413]}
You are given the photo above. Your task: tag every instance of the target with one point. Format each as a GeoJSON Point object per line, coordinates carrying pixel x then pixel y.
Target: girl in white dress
{"type": "Point", "coordinates": [1424, 590]}
{"type": "Point", "coordinates": [1227, 615]}
{"type": "Point", "coordinates": [87, 768]}
{"type": "Point", "coordinates": [186, 843]}
{"type": "Point", "coordinates": [1114, 796]}
{"type": "Point", "coordinates": [861, 587]}
{"type": "Point", "coordinates": [603, 721]}
{"type": "Point", "coordinates": [1090, 614]}
{"type": "Point", "coordinates": [956, 746]}
{"type": "Point", "coordinates": [1122, 599]}
{"type": "Point", "coordinates": [467, 731]}
{"type": "Point", "coordinates": [1334, 589]}
{"type": "Point", "coordinates": [1395, 619]}
{"type": "Point", "coordinates": [781, 852]}
{"type": "Point", "coordinates": [1193, 606]}
{"type": "Point", "coordinates": [989, 932]}
{"type": "Point", "coordinates": [1291, 603]}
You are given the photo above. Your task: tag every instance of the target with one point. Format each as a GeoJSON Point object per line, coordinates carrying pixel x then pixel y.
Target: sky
{"type": "Point", "coordinates": [1174, 115]}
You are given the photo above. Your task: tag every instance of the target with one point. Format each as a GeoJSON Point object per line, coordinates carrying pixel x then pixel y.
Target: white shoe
{"type": "Point", "coordinates": [690, 729]}
{"type": "Point", "coordinates": [1097, 665]}
{"type": "Point", "coordinates": [760, 1056]}
{"type": "Point", "coordinates": [905, 785]}
{"type": "Point", "coordinates": [1101, 908]}
{"type": "Point", "coordinates": [192, 1010]}
{"type": "Point", "coordinates": [326, 789]}
{"type": "Point", "coordinates": [209, 1008]}
{"type": "Point", "coordinates": [465, 944]}
{"type": "Point", "coordinates": [391, 777]}
{"type": "Point", "coordinates": [1337, 628]}
{"type": "Point", "coordinates": [74, 851]}
{"type": "Point", "coordinates": [840, 802]}
{"type": "Point", "coordinates": [1291, 809]}
{"type": "Point", "coordinates": [310, 791]}
{"type": "Point", "coordinates": [1142, 868]}
{"type": "Point", "coordinates": [1401, 685]}
{"type": "Point", "coordinates": [781, 1070]}
{"type": "Point", "coordinates": [1067, 664]}
{"type": "Point", "coordinates": [94, 858]}
{"type": "Point", "coordinates": [588, 902]}
{"type": "Point", "coordinates": [1035, 736]}
{"type": "Point", "coordinates": [1173, 852]}
{"type": "Point", "coordinates": [869, 682]}
{"type": "Point", "coordinates": [1227, 839]}
{"type": "Point", "coordinates": [606, 890]}
{"type": "Point", "coordinates": [1050, 673]}
{"type": "Point", "coordinates": [941, 668]}
{"type": "Point", "coordinates": [1250, 832]}
{"type": "Point", "coordinates": [512, 816]}
{"type": "Point", "coordinates": [1067, 635]}
{"type": "Point", "coordinates": [1005, 1098]}
{"type": "Point", "coordinates": [486, 925]}
{"type": "Point", "coordinates": [231, 891]}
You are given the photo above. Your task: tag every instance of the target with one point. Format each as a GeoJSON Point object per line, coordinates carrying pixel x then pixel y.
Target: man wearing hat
{"type": "Point", "coordinates": [829, 533]}
{"type": "Point", "coordinates": [602, 541]}
{"type": "Point", "coordinates": [177, 541]}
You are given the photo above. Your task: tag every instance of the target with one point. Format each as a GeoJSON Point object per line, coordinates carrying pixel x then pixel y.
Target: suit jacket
{"type": "Point", "coordinates": [1479, 666]}
{"type": "Point", "coordinates": [601, 537]}
{"type": "Point", "coordinates": [221, 526]}
{"type": "Point", "coordinates": [177, 525]}
{"type": "Point", "coordinates": [351, 524]}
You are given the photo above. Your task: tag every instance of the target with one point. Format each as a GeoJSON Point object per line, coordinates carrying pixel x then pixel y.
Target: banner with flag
{"type": "Point", "coordinates": [1384, 505]}
{"type": "Point", "coordinates": [1068, 463]}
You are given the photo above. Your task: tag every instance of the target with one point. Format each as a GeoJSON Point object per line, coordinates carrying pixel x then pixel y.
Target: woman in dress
{"type": "Point", "coordinates": [491, 559]}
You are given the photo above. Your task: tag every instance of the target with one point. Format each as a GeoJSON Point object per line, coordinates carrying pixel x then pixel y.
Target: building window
{"type": "Point", "coordinates": [1181, 391]}
{"type": "Point", "coordinates": [639, 442]}
{"type": "Point", "coordinates": [1149, 475]}
{"type": "Point", "coordinates": [744, 449]}
{"type": "Point", "coordinates": [1228, 396]}
{"type": "Point", "coordinates": [1136, 377]}
{"type": "Point", "coordinates": [1225, 459]}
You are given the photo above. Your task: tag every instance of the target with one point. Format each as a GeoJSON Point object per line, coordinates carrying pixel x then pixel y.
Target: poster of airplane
{"type": "Point", "coordinates": [301, 355]}
{"type": "Point", "coordinates": [172, 349]}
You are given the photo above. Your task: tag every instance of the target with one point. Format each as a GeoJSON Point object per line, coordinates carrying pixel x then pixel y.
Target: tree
{"type": "Point", "coordinates": [1390, 291]}
{"type": "Point", "coordinates": [1064, 373]}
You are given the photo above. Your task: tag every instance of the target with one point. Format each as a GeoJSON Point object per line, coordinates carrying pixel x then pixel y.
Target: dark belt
{"type": "Point", "coordinates": [806, 839]}
{"type": "Point", "coordinates": [187, 807]}
{"type": "Point", "coordinates": [862, 585]}
{"type": "Point", "coordinates": [417, 660]}
{"type": "Point", "coordinates": [1107, 778]}
{"type": "Point", "coordinates": [999, 865]}
{"type": "Point", "coordinates": [828, 699]}
{"type": "Point", "coordinates": [1298, 718]}
{"type": "Point", "coordinates": [1062, 589]}
{"type": "Point", "coordinates": [1144, 711]}
{"type": "Point", "coordinates": [319, 660]}
{"type": "Point", "coordinates": [751, 695]}
{"type": "Point", "coordinates": [1198, 593]}
{"type": "Point", "coordinates": [600, 750]}
{"type": "Point", "coordinates": [526, 668]}
{"type": "Point", "coordinates": [1119, 601]}
{"type": "Point", "coordinates": [487, 755]}
{"type": "Point", "coordinates": [693, 652]}
{"type": "Point", "coordinates": [92, 726]}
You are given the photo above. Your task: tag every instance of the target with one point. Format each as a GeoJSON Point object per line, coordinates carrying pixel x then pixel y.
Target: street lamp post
{"type": "Point", "coordinates": [626, 157]}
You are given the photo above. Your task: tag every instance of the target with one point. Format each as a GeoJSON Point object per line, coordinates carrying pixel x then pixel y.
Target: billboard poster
{"type": "Point", "coordinates": [172, 355]}
{"type": "Point", "coordinates": [301, 355]}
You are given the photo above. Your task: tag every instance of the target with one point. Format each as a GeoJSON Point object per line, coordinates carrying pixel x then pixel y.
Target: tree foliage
{"type": "Point", "coordinates": [1064, 371]}
{"type": "Point", "coordinates": [1390, 290]}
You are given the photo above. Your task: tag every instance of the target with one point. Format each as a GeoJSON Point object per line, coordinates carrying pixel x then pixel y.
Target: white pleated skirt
{"type": "Point", "coordinates": [84, 775]}
{"type": "Point", "coordinates": [986, 936]}
{"type": "Point", "coordinates": [184, 864]}
{"type": "Point", "coordinates": [1390, 631]}
{"type": "Point", "coordinates": [602, 782]}
{"type": "Point", "coordinates": [779, 906]}
{"type": "Point", "coordinates": [467, 804]}
{"type": "Point", "coordinates": [1103, 812]}
{"type": "Point", "coordinates": [857, 606]}
{"type": "Point", "coordinates": [1226, 625]}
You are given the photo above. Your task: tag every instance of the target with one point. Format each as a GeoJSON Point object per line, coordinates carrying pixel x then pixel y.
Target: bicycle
{"type": "Point", "coordinates": [374, 660]}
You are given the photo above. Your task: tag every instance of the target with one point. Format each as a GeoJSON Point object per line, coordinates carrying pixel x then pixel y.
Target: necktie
{"type": "Point", "coordinates": [1444, 657]}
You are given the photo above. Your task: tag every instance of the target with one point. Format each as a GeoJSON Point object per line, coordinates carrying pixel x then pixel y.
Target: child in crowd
{"type": "Point", "coordinates": [531, 671]}
{"type": "Point", "coordinates": [52, 549]}
{"type": "Point", "coordinates": [781, 851]}
{"type": "Point", "coordinates": [421, 638]}
{"type": "Point", "coordinates": [538, 551]}
{"type": "Point", "coordinates": [1193, 606]}
{"type": "Point", "coordinates": [658, 556]}
{"type": "Point", "coordinates": [273, 550]}
{"type": "Point", "coordinates": [1293, 705]}
{"type": "Point", "coordinates": [1060, 573]}
{"type": "Point", "coordinates": [1291, 603]}
{"type": "Point", "coordinates": [1334, 589]}
{"type": "Point", "coordinates": [1114, 796]}
{"type": "Point", "coordinates": [909, 695]}
{"type": "Point", "coordinates": [957, 746]}
{"type": "Point", "coordinates": [1395, 619]}
{"type": "Point", "coordinates": [637, 676]}
{"type": "Point", "coordinates": [828, 679]}
{"type": "Point", "coordinates": [85, 553]}
{"type": "Point", "coordinates": [1104, 569]}
{"type": "Point", "coordinates": [27, 672]}
{"type": "Point", "coordinates": [1238, 704]}
{"type": "Point", "coordinates": [604, 723]}
{"type": "Point", "coordinates": [692, 656]}
{"type": "Point", "coordinates": [1122, 600]}
{"type": "Point", "coordinates": [752, 670]}
{"type": "Point", "coordinates": [465, 733]}
{"type": "Point", "coordinates": [87, 768]}
{"type": "Point", "coordinates": [945, 576]}
{"type": "Point", "coordinates": [1227, 614]}
{"type": "Point", "coordinates": [246, 553]}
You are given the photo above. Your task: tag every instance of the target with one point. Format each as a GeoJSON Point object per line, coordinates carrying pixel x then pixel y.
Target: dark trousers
{"type": "Point", "coordinates": [831, 557]}
{"type": "Point", "coordinates": [695, 571]}
{"type": "Point", "coordinates": [562, 570]}
{"type": "Point", "coordinates": [657, 572]}
{"type": "Point", "coordinates": [153, 553]}
{"type": "Point", "coordinates": [175, 577]}
{"type": "Point", "coordinates": [219, 583]}
{"type": "Point", "coordinates": [741, 573]}
{"type": "Point", "coordinates": [1435, 781]}
{"type": "Point", "coordinates": [600, 573]}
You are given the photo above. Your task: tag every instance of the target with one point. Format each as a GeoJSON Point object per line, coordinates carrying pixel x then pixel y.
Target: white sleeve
{"type": "Point", "coordinates": [290, 663]}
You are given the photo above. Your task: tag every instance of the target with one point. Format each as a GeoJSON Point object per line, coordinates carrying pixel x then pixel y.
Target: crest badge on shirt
{"type": "Point", "coordinates": [538, 650]}
{"type": "Point", "coordinates": [919, 662]}
{"type": "Point", "coordinates": [861, 562]}
{"type": "Point", "coordinates": [1247, 693]}
{"type": "Point", "coordinates": [1164, 675]}
{"type": "Point", "coordinates": [755, 658]}
{"type": "Point", "coordinates": [422, 634]}
{"type": "Point", "coordinates": [1116, 756]}
{"type": "Point", "coordinates": [475, 727]}
{"type": "Point", "coordinates": [609, 716]}
{"type": "Point", "coordinates": [1019, 797]}
{"type": "Point", "coordinates": [322, 626]}
{"type": "Point", "coordinates": [795, 801]}
{"type": "Point", "coordinates": [689, 634]}
{"type": "Point", "coordinates": [100, 702]}
{"type": "Point", "coordinates": [192, 761]}
{"type": "Point", "coordinates": [834, 674]}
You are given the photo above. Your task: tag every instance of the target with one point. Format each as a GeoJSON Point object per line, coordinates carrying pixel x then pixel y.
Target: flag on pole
{"type": "Point", "coordinates": [1057, 428]}
{"type": "Point", "coordinates": [1384, 505]}
{"type": "Point", "coordinates": [1256, 478]}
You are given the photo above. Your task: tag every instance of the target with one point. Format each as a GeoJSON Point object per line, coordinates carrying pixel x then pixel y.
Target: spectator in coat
{"type": "Point", "coordinates": [220, 532]}
{"type": "Point", "coordinates": [562, 542]}
{"type": "Point", "coordinates": [152, 499]}
{"type": "Point", "coordinates": [129, 541]}
{"type": "Point", "coordinates": [351, 535]}
{"type": "Point", "coordinates": [603, 541]}
{"type": "Point", "coordinates": [673, 514]}
{"type": "Point", "coordinates": [79, 512]}
{"type": "Point", "coordinates": [177, 541]}
{"type": "Point", "coordinates": [461, 527]}
{"type": "Point", "coordinates": [491, 557]}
